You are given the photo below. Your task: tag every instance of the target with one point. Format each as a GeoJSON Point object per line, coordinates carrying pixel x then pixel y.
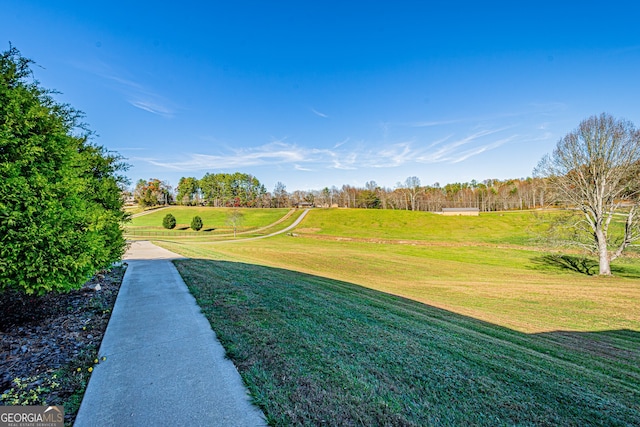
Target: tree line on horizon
{"type": "Point", "coordinates": [244, 190]}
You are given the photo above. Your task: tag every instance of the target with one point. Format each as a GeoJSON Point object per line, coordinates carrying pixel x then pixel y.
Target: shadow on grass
{"type": "Point", "coordinates": [314, 350]}
{"type": "Point", "coordinates": [580, 264]}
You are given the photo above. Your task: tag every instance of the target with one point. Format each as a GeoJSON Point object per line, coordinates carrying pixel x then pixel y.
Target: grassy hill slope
{"type": "Point", "coordinates": [407, 318]}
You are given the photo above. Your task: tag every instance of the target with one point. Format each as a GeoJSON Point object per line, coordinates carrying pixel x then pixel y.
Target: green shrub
{"type": "Point", "coordinates": [196, 223]}
{"type": "Point", "coordinates": [169, 222]}
{"type": "Point", "coordinates": [60, 194]}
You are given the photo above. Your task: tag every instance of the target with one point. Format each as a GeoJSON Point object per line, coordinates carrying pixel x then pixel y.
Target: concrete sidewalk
{"type": "Point", "coordinates": [164, 366]}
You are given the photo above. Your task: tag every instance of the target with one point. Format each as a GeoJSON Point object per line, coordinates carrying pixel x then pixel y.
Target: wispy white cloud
{"type": "Point", "coordinates": [454, 151]}
{"type": "Point", "coordinates": [546, 109]}
{"type": "Point", "coordinates": [532, 109]}
{"type": "Point", "coordinates": [440, 141]}
{"type": "Point", "coordinates": [110, 75]}
{"type": "Point", "coordinates": [272, 153]}
{"type": "Point", "coordinates": [464, 155]}
{"type": "Point", "coordinates": [344, 161]}
{"type": "Point", "coordinates": [432, 123]}
{"type": "Point", "coordinates": [446, 145]}
{"type": "Point", "coordinates": [135, 93]}
{"type": "Point", "coordinates": [318, 113]}
{"type": "Point", "coordinates": [341, 143]}
{"type": "Point", "coordinates": [151, 107]}
{"type": "Point", "coordinates": [343, 155]}
{"type": "Point", "coordinates": [384, 126]}
{"type": "Point", "coordinates": [392, 156]}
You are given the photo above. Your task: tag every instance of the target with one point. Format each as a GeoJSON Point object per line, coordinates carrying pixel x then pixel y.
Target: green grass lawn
{"type": "Point", "coordinates": [346, 324]}
{"type": "Point", "coordinates": [135, 209]}
{"type": "Point", "coordinates": [503, 227]}
{"type": "Point", "coordinates": [315, 351]}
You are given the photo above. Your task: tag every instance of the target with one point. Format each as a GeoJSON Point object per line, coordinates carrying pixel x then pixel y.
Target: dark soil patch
{"type": "Point", "coordinates": [50, 342]}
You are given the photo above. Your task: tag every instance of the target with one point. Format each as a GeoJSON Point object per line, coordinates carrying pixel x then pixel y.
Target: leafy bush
{"type": "Point", "coordinates": [61, 206]}
{"type": "Point", "coordinates": [169, 222]}
{"type": "Point", "coordinates": [196, 223]}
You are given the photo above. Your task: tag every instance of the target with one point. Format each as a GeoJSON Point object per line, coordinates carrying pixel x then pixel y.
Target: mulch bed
{"type": "Point", "coordinates": [50, 342]}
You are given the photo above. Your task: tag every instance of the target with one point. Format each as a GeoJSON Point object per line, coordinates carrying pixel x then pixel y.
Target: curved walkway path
{"type": "Point", "coordinates": [164, 365]}
{"type": "Point", "coordinates": [248, 239]}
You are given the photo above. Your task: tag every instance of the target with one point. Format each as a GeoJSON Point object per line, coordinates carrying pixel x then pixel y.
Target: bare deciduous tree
{"type": "Point", "coordinates": [280, 195]}
{"type": "Point", "coordinates": [596, 169]}
{"type": "Point", "coordinates": [234, 219]}
{"type": "Point", "coordinates": [412, 188]}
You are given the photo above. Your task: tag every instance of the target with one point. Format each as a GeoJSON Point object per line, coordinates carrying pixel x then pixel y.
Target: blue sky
{"type": "Point", "coordinates": [315, 94]}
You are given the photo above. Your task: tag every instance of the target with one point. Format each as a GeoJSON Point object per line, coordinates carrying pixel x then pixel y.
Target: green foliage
{"type": "Point", "coordinates": [152, 193]}
{"type": "Point", "coordinates": [231, 190]}
{"type": "Point", "coordinates": [368, 199]}
{"type": "Point", "coordinates": [188, 190]}
{"type": "Point", "coordinates": [60, 197]}
{"type": "Point", "coordinates": [169, 222]}
{"type": "Point", "coordinates": [196, 223]}
{"type": "Point", "coordinates": [29, 391]}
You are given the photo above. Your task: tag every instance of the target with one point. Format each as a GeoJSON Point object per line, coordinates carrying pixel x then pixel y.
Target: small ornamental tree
{"type": "Point", "coordinates": [196, 223]}
{"type": "Point", "coordinates": [169, 222]}
{"type": "Point", "coordinates": [234, 219]}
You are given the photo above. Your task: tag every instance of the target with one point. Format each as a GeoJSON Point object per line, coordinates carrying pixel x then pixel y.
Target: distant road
{"type": "Point", "coordinates": [148, 212]}
{"type": "Point", "coordinates": [289, 228]}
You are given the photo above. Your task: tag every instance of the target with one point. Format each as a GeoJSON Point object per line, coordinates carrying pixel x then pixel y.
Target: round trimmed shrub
{"type": "Point", "coordinates": [169, 222]}
{"type": "Point", "coordinates": [196, 223]}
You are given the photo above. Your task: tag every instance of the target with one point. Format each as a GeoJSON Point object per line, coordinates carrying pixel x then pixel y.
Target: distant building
{"type": "Point", "coordinates": [128, 198]}
{"type": "Point", "coordinates": [460, 211]}
{"type": "Point", "coordinates": [303, 205]}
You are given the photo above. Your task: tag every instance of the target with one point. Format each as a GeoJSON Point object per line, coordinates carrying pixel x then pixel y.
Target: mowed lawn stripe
{"type": "Point", "coordinates": [316, 350]}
